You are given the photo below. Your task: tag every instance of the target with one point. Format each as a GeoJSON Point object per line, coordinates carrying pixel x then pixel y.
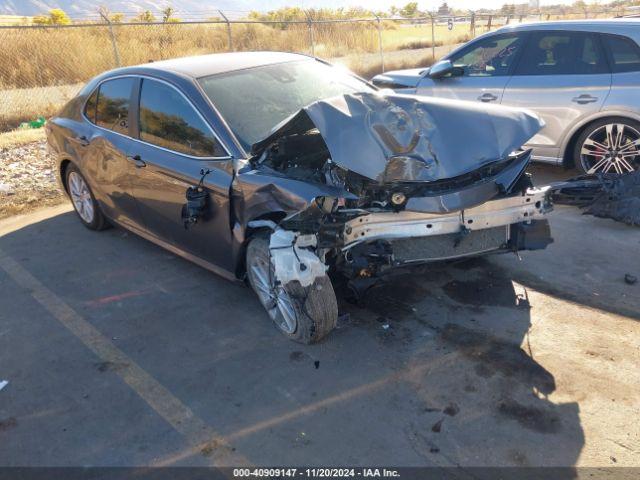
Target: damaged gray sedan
{"type": "Point", "coordinates": [282, 170]}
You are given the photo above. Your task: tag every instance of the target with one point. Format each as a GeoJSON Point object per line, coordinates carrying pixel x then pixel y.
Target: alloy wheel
{"type": "Point", "coordinates": [81, 197]}
{"type": "Point", "coordinates": [275, 299]}
{"type": "Point", "coordinates": [611, 148]}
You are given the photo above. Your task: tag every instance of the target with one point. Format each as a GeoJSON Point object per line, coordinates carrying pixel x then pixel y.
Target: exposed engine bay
{"type": "Point", "coordinates": [368, 182]}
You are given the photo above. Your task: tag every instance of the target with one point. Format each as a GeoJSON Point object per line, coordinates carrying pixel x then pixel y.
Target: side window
{"type": "Point", "coordinates": [169, 121]}
{"type": "Point", "coordinates": [489, 57]}
{"type": "Point", "coordinates": [625, 53]}
{"type": "Point", "coordinates": [112, 111]}
{"type": "Point", "coordinates": [90, 106]}
{"type": "Point", "coordinates": [562, 53]}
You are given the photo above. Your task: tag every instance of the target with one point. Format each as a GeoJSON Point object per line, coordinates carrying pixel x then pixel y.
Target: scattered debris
{"type": "Point", "coordinates": [452, 410]}
{"type": "Point", "coordinates": [37, 123]}
{"type": "Point", "coordinates": [316, 364]}
{"type": "Point", "coordinates": [630, 279]}
{"type": "Point", "coordinates": [28, 179]}
{"type": "Point", "coordinates": [614, 459]}
{"type": "Point", "coordinates": [437, 427]}
{"type": "Point", "coordinates": [607, 196]}
{"type": "Point", "coordinates": [110, 366]}
{"type": "Point", "coordinates": [3, 383]}
{"type": "Point", "coordinates": [385, 326]}
{"type": "Point", "coordinates": [434, 450]}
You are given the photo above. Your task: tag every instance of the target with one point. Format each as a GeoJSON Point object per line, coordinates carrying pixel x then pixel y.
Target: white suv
{"type": "Point", "coordinates": [581, 77]}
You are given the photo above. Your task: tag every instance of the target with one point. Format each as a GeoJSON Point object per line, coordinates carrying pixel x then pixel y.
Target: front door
{"type": "Point", "coordinates": [484, 65]}
{"type": "Point", "coordinates": [174, 145]}
{"type": "Point", "coordinates": [563, 76]}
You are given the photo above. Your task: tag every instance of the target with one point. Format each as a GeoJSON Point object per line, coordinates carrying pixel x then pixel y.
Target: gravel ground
{"type": "Point", "coordinates": [27, 179]}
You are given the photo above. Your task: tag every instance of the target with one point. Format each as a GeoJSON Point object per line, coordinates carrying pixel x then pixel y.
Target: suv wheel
{"type": "Point", "coordinates": [610, 145]}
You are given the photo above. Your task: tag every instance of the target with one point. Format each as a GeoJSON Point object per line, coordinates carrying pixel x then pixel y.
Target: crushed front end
{"type": "Point", "coordinates": [365, 183]}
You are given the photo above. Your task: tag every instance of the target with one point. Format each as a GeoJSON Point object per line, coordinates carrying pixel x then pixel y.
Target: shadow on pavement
{"type": "Point", "coordinates": [430, 372]}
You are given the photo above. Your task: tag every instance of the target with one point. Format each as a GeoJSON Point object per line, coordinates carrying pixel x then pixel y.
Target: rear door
{"type": "Point", "coordinates": [174, 145]}
{"type": "Point", "coordinates": [486, 64]}
{"type": "Point", "coordinates": [563, 76]}
{"type": "Point", "coordinates": [105, 150]}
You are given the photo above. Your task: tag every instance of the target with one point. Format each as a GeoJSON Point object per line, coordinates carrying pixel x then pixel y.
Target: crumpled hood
{"type": "Point", "coordinates": [393, 137]}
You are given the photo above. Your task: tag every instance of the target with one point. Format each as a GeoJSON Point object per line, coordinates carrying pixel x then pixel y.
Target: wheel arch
{"type": "Point", "coordinates": [250, 232]}
{"type": "Point", "coordinates": [62, 171]}
{"type": "Point", "coordinates": [571, 138]}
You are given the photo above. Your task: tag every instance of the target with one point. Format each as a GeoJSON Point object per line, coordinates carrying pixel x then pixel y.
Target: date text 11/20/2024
{"type": "Point", "coordinates": [315, 473]}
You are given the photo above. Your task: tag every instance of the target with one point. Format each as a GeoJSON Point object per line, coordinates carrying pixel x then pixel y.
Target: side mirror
{"type": "Point", "coordinates": [443, 68]}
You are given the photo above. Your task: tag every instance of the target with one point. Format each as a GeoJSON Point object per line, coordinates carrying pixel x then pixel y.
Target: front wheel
{"type": "Point", "coordinates": [610, 145]}
{"type": "Point", "coordinates": [304, 314]}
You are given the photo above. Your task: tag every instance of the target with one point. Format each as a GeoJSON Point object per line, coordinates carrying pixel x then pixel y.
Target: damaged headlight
{"type": "Point", "coordinates": [408, 168]}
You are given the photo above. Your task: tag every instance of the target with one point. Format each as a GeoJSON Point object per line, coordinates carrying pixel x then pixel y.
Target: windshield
{"type": "Point", "coordinates": [255, 100]}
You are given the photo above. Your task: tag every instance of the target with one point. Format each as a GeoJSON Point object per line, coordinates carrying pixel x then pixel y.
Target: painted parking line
{"type": "Point", "coordinates": [201, 437]}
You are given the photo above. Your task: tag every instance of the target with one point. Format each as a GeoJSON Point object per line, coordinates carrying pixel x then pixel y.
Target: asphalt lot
{"type": "Point", "coordinates": [118, 353]}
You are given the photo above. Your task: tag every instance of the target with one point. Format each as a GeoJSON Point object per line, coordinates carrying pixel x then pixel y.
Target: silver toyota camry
{"type": "Point", "coordinates": [581, 77]}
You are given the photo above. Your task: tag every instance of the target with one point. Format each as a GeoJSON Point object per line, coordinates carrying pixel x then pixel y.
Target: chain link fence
{"type": "Point", "coordinates": [41, 67]}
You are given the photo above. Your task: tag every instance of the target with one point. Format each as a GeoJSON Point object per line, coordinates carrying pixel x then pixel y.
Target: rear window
{"type": "Point", "coordinates": [90, 106]}
{"type": "Point", "coordinates": [562, 53]}
{"type": "Point", "coordinates": [112, 111]}
{"type": "Point", "coordinates": [625, 53]}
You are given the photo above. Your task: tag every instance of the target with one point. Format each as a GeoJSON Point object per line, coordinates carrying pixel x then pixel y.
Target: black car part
{"type": "Point", "coordinates": [197, 201]}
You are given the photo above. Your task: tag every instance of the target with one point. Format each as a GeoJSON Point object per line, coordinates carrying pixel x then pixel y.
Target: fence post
{"type": "Point", "coordinates": [114, 43]}
{"type": "Point", "coordinates": [228, 30]}
{"type": "Point", "coordinates": [433, 37]}
{"type": "Point", "coordinates": [489, 23]}
{"type": "Point", "coordinates": [311, 39]}
{"type": "Point", "coordinates": [472, 26]}
{"type": "Point", "coordinates": [380, 41]}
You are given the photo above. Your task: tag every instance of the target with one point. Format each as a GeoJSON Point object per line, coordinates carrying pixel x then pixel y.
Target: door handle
{"type": "Point", "coordinates": [487, 97]}
{"type": "Point", "coordinates": [584, 99]}
{"type": "Point", "coordinates": [83, 140]}
{"type": "Point", "coordinates": [137, 161]}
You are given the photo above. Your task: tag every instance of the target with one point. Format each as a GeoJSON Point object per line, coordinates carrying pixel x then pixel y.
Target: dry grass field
{"type": "Point", "coordinates": [40, 68]}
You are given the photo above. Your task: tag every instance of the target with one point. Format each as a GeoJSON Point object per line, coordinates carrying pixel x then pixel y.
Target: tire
{"type": "Point", "coordinates": [83, 201]}
{"type": "Point", "coordinates": [608, 153]}
{"type": "Point", "coordinates": [313, 311]}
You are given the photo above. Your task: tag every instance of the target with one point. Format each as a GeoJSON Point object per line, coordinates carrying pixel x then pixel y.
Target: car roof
{"type": "Point", "coordinates": [205, 65]}
{"type": "Point", "coordinates": [611, 25]}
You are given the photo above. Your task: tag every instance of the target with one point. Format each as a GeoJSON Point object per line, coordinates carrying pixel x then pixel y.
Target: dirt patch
{"type": "Point", "coordinates": [7, 424]}
{"type": "Point", "coordinates": [531, 418]}
{"type": "Point", "coordinates": [496, 355]}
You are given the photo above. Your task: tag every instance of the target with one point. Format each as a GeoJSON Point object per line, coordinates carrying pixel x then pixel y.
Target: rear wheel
{"type": "Point", "coordinates": [611, 145]}
{"type": "Point", "coordinates": [304, 314]}
{"type": "Point", "coordinates": [83, 200]}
